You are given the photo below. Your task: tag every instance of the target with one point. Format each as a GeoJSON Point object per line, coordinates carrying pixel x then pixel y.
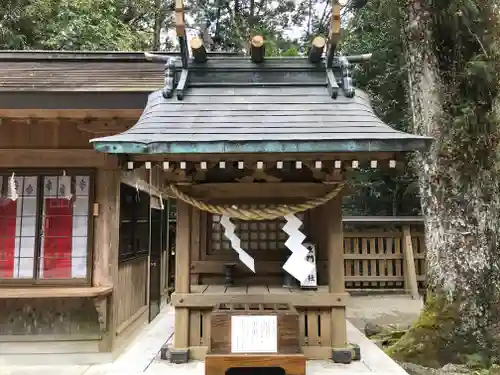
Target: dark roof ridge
{"type": "Point", "coordinates": [106, 56]}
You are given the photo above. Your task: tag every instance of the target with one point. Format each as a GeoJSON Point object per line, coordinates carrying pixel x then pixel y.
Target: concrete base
{"type": "Point", "coordinates": [143, 357]}
{"type": "Point", "coordinates": [178, 356]}
{"type": "Point", "coordinates": [342, 356]}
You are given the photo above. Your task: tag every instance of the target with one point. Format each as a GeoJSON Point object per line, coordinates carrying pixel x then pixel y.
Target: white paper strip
{"type": "Point", "coordinates": [13, 195]}
{"type": "Point", "coordinates": [229, 232]}
{"type": "Point", "coordinates": [312, 279]}
{"type": "Point", "coordinates": [296, 265]}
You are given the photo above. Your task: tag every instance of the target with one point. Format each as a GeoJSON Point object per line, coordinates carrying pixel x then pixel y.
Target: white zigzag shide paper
{"type": "Point", "coordinates": [296, 265]}
{"type": "Point", "coordinates": [229, 232]}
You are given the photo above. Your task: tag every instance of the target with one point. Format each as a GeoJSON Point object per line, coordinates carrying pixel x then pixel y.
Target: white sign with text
{"type": "Point", "coordinates": [254, 334]}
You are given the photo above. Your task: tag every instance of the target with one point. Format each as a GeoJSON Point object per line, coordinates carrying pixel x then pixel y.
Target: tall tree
{"type": "Point", "coordinates": [454, 69]}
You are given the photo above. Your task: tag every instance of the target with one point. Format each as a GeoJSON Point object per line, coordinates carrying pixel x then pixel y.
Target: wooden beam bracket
{"type": "Point", "coordinates": [101, 307]}
{"type": "Point", "coordinates": [183, 84]}
{"type": "Point", "coordinates": [331, 82]}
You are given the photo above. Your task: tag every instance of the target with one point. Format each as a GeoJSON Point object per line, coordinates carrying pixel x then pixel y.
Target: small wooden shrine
{"type": "Point", "coordinates": [256, 151]}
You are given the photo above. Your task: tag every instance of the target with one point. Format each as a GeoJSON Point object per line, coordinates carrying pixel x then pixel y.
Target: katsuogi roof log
{"type": "Point", "coordinates": [257, 48]}
{"type": "Point", "coordinates": [198, 50]}
{"type": "Point", "coordinates": [317, 47]}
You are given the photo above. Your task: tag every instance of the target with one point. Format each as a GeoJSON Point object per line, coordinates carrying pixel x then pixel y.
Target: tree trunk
{"type": "Point", "coordinates": [454, 79]}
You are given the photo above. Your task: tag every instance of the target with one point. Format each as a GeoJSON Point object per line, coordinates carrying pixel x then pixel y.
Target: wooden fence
{"type": "Point", "coordinates": [384, 254]}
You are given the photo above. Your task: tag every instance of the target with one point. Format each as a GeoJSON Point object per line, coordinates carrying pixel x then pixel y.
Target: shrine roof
{"type": "Point", "coordinates": [259, 119]}
{"type": "Point", "coordinates": [282, 104]}
{"type": "Point", "coordinates": [228, 103]}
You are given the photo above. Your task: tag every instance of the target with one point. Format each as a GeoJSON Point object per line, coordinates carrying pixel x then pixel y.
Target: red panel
{"type": "Point", "coordinates": [58, 232]}
{"type": "Point", "coordinates": [8, 209]}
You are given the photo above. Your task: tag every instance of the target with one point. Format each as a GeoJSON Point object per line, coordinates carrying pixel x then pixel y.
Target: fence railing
{"type": "Point", "coordinates": [384, 254]}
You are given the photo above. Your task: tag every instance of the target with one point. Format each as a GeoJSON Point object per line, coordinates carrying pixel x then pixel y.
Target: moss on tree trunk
{"type": "Point", "coordinates": [434, 340]}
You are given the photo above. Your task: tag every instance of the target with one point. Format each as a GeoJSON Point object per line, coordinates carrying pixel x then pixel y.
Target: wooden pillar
{"type": "Point", "coordinates": [106, 241]}
{"type": "Point", "coordinates": [195, 241]}
{"type": "Point", "coordinates": [411, 285]}
{"type": "Point", "coordinates": [182, 274]}
{"type": "Point", "coordinates": [334, 242]}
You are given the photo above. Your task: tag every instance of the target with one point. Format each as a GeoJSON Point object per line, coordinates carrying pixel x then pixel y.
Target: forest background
{"type": "Point", "coordinates": [288, 27]}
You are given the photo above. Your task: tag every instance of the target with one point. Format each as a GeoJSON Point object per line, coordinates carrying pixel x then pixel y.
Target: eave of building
{"type": "Point", "coordinates": [333, 146]}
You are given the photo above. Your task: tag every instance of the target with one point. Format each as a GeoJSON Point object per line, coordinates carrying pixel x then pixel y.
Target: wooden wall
{"type": "Point", "coordinates": [54, 143]}
{"type": "Point", "coordinates": [32, 326]}
{"type": "Point", "coordinates": [42, 134]}
{"type": "Point", "coordinates": [130, 293]}
{"type": "Point", "coordinates": [56, 133]}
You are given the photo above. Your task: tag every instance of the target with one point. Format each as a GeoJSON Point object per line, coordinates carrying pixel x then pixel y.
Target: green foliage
{"type": "Point", "coordinates": [233, 23]}
{"type": "Point", "coordinates": [86, 25]}
{"type": "Point", "coordinates": [376, 28]}
{"type": "Point", "coordinates": [76, 25]}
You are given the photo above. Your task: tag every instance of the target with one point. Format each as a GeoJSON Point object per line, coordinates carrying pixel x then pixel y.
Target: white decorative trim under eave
{"type": "Point", "coordinates": [260, 165]}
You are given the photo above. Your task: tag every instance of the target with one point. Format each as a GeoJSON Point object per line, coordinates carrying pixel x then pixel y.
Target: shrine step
{"type": "Point", "coordinates": [259, 364]}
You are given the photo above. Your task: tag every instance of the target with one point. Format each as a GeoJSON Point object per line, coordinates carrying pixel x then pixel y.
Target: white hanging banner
{"type": "Point", "coordinates": [229, 232]}
{"type": "Point", "coordinates": [312, 279]}
{"type": "Point", "coordinates": [13, 195]}
{"type": "Point", "coordinates": [296, 265]}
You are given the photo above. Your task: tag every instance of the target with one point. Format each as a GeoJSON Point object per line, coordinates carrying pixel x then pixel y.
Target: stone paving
{"type": "Point", "coordinates": [142, 355]}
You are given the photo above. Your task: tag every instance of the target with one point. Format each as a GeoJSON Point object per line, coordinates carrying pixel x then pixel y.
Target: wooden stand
{"type": "Point", "coordinates": [219, 364]}
{"type": "Point", "coordinates": [224, 354]}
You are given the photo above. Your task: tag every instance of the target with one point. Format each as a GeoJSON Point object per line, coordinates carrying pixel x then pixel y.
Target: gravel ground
{"type": "Point", "coordinates": [383, 310]}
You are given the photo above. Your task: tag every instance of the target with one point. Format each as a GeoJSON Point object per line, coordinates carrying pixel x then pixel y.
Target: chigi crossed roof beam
{"type": "Point", "coordinates": [337, 68]}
